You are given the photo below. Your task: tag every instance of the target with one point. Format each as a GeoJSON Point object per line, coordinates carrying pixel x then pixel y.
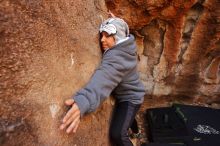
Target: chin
{"type": "Point", "coordinates": [105, 48]}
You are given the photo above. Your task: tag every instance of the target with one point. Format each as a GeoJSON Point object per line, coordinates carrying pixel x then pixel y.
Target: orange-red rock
{"type": "Point", "coordinates": [49, 50]}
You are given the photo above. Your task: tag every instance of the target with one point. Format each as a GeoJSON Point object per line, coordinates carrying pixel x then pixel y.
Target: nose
{"type": "Point", "coordinates": [103, 38]}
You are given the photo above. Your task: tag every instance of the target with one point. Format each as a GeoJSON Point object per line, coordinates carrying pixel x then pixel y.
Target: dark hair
{"type": "Point", "coordinates": [100, 43]}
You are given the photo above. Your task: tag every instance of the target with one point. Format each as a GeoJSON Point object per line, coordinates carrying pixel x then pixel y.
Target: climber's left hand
{"type": "Point", "coordinates": [72, 118]}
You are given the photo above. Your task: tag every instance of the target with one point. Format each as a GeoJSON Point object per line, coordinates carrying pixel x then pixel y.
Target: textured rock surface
{"type": "Point", "coordinates": [49, 49]}
{"type": "Point", "coordinates": [178, 45]}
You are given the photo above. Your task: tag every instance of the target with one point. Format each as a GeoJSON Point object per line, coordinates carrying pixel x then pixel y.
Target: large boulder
{"type": "Point", "coordinates": [178, 45]}
{"type": "Point", "coordinates": [49, 50]}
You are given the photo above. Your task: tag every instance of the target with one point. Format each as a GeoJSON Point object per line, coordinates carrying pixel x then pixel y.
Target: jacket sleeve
{"type": "Point", "coordinates": [106, 77]}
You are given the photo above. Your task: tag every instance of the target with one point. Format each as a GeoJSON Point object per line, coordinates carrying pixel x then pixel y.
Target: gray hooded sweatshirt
{"type": "Point", "coordinates": [117, 74]}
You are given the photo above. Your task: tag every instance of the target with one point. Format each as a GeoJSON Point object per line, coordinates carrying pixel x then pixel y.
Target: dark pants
{"type": "Point", "coordinates": [122, 119]}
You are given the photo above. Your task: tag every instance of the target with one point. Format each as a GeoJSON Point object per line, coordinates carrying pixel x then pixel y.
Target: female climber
{"type": "Point", "coordinates": [116, 75]}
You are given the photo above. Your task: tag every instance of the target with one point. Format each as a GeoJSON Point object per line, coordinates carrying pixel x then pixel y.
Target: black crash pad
{"type": "Point", "coordinates": [192, 125]}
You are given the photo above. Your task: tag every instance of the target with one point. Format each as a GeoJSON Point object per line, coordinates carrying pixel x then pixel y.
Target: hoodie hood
{"type": "Point", "coordinates": [116, 27]}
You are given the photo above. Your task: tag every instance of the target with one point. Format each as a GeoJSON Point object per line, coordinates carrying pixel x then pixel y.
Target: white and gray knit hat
{"type": "Point", "coordinates": [116, 27]}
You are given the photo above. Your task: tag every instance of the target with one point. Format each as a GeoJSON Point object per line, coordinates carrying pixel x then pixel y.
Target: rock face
{"type": "Point", "coordinates": [178, 45]}
{"type": "Point", "coordinates": [49, 50]}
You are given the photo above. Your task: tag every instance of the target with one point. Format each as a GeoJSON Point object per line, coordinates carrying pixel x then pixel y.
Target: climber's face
{"type": "Point", "coordinates": [108, 41]}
